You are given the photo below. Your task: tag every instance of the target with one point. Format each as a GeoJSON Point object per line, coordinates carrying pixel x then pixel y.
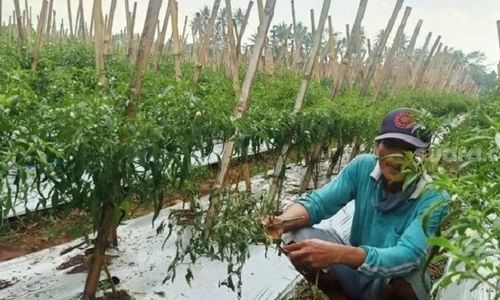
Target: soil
{"type": "Point", "coordinates": [35, 233]}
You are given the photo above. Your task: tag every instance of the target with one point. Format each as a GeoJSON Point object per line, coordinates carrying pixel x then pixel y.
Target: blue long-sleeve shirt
{"type": "Point", "coordinates": [394, 241]}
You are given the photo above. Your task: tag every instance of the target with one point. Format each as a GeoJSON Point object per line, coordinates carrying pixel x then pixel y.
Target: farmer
{"type": "Point", "coordinates": [383, 257]}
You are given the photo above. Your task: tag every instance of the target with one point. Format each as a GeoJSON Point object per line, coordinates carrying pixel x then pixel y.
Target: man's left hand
{"type": "Point", "coordinates": [314, 253]}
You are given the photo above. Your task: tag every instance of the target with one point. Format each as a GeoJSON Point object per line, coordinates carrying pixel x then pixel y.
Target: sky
{"type": "Point", "coordinates": [468, 25]}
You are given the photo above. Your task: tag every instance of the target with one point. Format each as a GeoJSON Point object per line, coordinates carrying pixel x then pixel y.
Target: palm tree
{"type": "Point", "coordinates": [200, 22]}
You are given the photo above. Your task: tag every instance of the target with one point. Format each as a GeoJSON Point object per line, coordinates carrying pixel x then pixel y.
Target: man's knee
{"type": "Point", "coordinates": [299, 235]}
{"type": "Point", "coordinates": [312, 233]}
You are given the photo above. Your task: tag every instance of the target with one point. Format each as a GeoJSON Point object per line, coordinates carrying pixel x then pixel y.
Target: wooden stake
{"type": "Point", "coordinates": [239, 111]}
{"type": "Point", "coordinates": [420, 77]}
{"type": "Point", "coordinates": [389, 61]}
{"type": "Point", "coordinates": [279, 169]}
{"type": "Point", "coordinates": [352, 44]}
{"type": "Point", "coordinates": [40, 33]}
{"type": "Point", "coordinates": [405, 72]}
{"type": "Point", "coordinates": [206, 40]}
{"type": "Point", "coordinates": [380, 48]}
{"type": "Point", "coordinates": [313, 24]}
{"type": "Point", "coordinates": [243, 27]}
{"type": "Point", "coordinates": [183, 39]}
{"type": "Point", "coordinates": [1, 12]}
{"type": "Point", "coordinates": [233, 58]}
{"type": "Point", "coordinates": [99, 41]}
{"type": "Point", "coordinates": [70, 17]}
{"type": "Point", "coordinates": [49, 21]}
{"type": "Point", "coordinates": [109, 27]}
{"type": "Point", "coordinates": [161, 38]}
{"type": "Point", "coordinates": [146, 43]}
{"type": "Point", "coordinates": [20, 29]}
{"type": "Point", "coordinates": [175, 40]}
{"type": "Point", "coordinates": [498, 66]}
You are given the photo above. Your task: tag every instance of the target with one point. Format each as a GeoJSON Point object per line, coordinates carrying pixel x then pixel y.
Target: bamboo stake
{"type": "Point", "coordinates": [404, 74]}
{"type": "Point", "coordinates": [279, 169]}
{"type": "Point", "coordinates": [183, 39]}
{"type": "Point", "coordinates": [40, 33]}
{"type": "Point", "coordinates": [240, 110]}
{"type": "Point", "coordinates": [161, 38]}
{"type": "Point", "coordinates": [20, 29]}
{"type": "Point", "coordinates": [498, 66]}
{"type": "Point", "coordinates": [49, 21]}
{"type": "Point", "coordinates": [386, 72]}
{"type": "Point", "coordinates": [206, 40]}
{"type": "Point", "coordinates": [29, 25]}
{"type": "Point", "coordinates": [351, 45]}
{"type": "Point", "coordinates": [146, 42]}
{"type": "Point", "coordinates": [420, 77]}
{"type": "Point", "coordinates": [109, 27]}
{"type": "Point", "coordinates": [380, 48]}
{"type": "Point", "coordinates": [243, 27]}
{"type": "Point", "coordinates": [77, 20]}
{"type": "Point", "coordinates": [233, 58]}
{"type": "Point", "coordinates": [82, 21]}
{"type": "Point", "coordinates": [70, 17]}
{"type": "Point", "coordinates": [99, 41]}
{"type": "Point", "coordinates": [313, 24]}
{"type": "Point", "coordinates": [175, 40]}
{"type": "Point", "coordinates": [296, 37]}
{"type": "Point", "coordinates": [131, 48]}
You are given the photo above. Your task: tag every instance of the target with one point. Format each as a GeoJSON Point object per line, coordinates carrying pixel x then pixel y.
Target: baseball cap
{"type": "Point", "coordinates": [400, 124]}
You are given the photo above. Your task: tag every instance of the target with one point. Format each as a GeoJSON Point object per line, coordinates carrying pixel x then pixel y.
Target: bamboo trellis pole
{"type": "Point", "coordinates": [1, 17]}
{"type": "Point", "coordinates": [351, 45]}
{"type": "Point", "coordinates": [49, 21]}
{"type": "Point", "coordinates": [498, 66]}
{"type": "Point", "coordinates": [99, 33]}
{"type": "Point", "coordinates": [175, 40]}
{"type": "Point", "coordinates": [406, 68]}
{"type": "Point", "coordinates": [206, 40]}
{"type": "Point", "coordinates": [233, 58]}
{"type": "Point", "coordinates": [141, 63]}
{"type": "Point", "coordinates": [40, 34]}
{"type": "Point", "coordinates": [70, 17]}
{"type": "Point", "coordinates": [108, 29]}
{"type": "Point", "coordinates": [421, 73]}
{"type": "Point", "coordinates": [183, 39]}
{"type": "Point", "coordinates": [29, 24]}
{"type": "Point", "coordinates": [373, 64]}
{"type": "Point", "coordinates": [243, 27]}
{"type": "Point", "coordinates": [240, 110]}
{"type": "Point", "coordinates": [82, 21]}
{"type": "Point", "coordinates": [296, 37]}
{"type": "Point", "coordinates": [280, 166]}
{"type": "Point", "coordinates": [386, 72]}
{"type": "Point", "coordinates": [161, 37]}
{"type": "Point", "coordinates": [20, 29]}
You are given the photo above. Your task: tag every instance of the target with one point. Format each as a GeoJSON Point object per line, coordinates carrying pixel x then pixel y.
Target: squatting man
{"type": "Point", "coordinates": [383, 257]}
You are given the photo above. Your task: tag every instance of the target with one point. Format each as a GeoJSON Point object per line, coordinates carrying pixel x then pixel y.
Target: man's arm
{"type": "Point", "coordinates": [319, 204]}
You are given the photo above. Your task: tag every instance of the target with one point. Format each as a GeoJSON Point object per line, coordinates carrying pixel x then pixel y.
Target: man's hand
{"type": "Point", "coordinates": [313, 253]}
{"type": "Point", "coordinates": [274, 227]}
{"type": "Point", "coordinates": [318, 254]}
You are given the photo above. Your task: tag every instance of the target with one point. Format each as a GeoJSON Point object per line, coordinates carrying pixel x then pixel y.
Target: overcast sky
{"type": "Point", "coordinates": [463, 24]}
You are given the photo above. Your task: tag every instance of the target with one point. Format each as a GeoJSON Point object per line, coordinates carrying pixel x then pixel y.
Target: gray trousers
{"type": "Point", "coordinates": [354, 283]}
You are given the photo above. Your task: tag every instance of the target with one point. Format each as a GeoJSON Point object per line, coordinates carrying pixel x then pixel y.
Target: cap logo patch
{"type": "Point", "coordinates": [404, 120]}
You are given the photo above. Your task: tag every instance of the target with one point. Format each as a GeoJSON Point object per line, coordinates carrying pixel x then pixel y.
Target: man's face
{"type": "Point", "coordinates": [390, 161]}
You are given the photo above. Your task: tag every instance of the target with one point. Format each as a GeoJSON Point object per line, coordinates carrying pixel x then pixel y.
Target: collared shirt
{"type": "Point", "coordinates": [394, 241]}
